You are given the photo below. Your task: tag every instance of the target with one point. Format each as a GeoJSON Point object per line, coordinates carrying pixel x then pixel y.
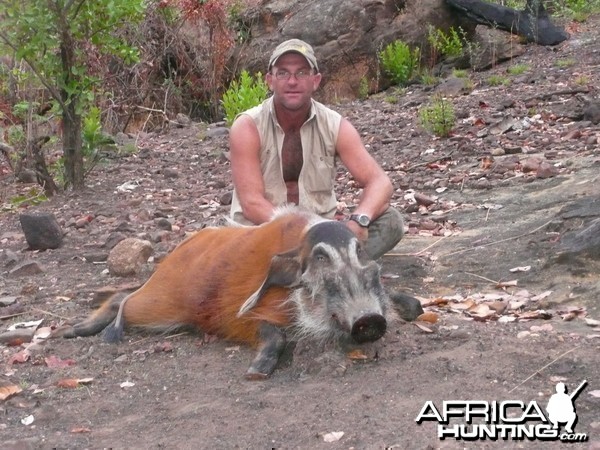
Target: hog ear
{"type": "Point", "coordinates": [284, 271]}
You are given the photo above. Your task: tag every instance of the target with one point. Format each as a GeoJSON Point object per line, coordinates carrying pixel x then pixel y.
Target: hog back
{"type": "Point", "coordinates": [206, 279]}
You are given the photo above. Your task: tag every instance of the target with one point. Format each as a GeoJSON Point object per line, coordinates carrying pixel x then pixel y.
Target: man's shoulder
{"type": "Point", "coordinates": [322, 110]}
{"type": "Point", "coordinates": [255, 111]}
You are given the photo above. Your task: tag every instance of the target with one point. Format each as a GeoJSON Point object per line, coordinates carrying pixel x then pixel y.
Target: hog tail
{"type": "Point", "coordinates": [115, 330]}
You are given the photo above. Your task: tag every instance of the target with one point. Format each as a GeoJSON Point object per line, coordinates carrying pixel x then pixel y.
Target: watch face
{"type": "Point", "coordinates": [362, 219]}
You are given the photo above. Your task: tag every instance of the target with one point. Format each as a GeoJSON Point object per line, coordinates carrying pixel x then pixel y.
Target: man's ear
{"type": "Point", "coordinates": [284, 271]}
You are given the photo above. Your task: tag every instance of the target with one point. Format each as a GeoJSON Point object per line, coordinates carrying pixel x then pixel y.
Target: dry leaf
{"type": "Point", "coordinates": [503, 284]}
{"type": "Point", "coordinates": [545, 327]}
{"type": "Point", "coordinates": [54, 362]}
{"type": "Point", "coordinates": [31, 324]}
{"type": "Point", "coordinates": [333, 437]}
{"type": "Point", "coordinates": [595, 394]}
{"type": "Point", "coordinates": [81, 430]}
{"type": "Point", "coordinates": [429, 317]}
{"type": "Point", "coordinates": [498, 307]}
{"type": "Point", "coordinates": [68, 383]}
{"type": "Point", "coordinates": [357, 355]}
{"type": "Point", "coordinates": [27, 420]}
{"type": "Point", "coordinates": [461, 306]}
{"type": "Point", "coordinates": [539, 314]}
{"type": "Point", "coordinates": [520, 269]}
{"type": "Point", "coordinates": [423, 327]}
{"type": "Point", "coordinates": [8, 391]}
{"type": "Point", "coordinates": [592, 322]}
{"type": "Point", "coordinates": [20, 357]}
{"type": "Point", "coordinates": [557, 378]}
{"type": "Point", "coordinates": [541, 296]}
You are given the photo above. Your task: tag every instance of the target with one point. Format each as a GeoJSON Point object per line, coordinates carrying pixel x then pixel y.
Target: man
{"type": "Point", "coordinates": [283, 152]}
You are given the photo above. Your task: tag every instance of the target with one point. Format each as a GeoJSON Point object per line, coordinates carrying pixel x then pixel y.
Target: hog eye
{"type": "Point", "coordinates": [321, 256]}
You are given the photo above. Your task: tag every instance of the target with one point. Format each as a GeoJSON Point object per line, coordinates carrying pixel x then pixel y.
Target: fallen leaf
{"type": "Point", "coordinates": [423, 327]}
{"type": "Point", "coordinates": [54, 362]}
{"type": "Point", "coordinates": [545, 327]}
{"type": "Point", "coordinates": [8, 391]}
{"type": "Point", "coordinates": [520, 269]}
{"type": "Point", "coordinates": [357, 355]}
{"type": "Point", "coordinates": [503, 284]}
{"type": "Point", "coordinates": [72, 383]}
{"type": "Point", "coordinates": [333, 437]}
{"type": "Point", "coordinates": [68, 383]}
{"type": "Point", "coordinates": [462, 306]}
{"type": "Point", "coordinates": [80, 430]}
{"type": "Point", "coordinates": [592, 322]}
{"type": "Point", "coordinates": [541, 296]}
{"type": "Point", "coordinates": [539, 314]}
{"type": "Point", "coordinates": [20, 357]}
{"type": "Point", "coordinates": [557, 378]}
{"type": "Point", "coordinates": [595, 394]}
{"type": "Point", "coordinates": [27, 420]}
{"type": "Point", "coordinates": [499, 307]}
{"type": "Point", "coordinates": [429, 317]}
{"type": "Point", "coordinates": [31, 324]}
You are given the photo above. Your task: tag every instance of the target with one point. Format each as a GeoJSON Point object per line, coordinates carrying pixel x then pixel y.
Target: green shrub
{"type": "Point", "coordinates": [244, 94]}
{"type": "Point", "coordinates": [438, 117]}
{"type": "Point", "coordinates": [399, 62]}
{"type": "Point", "coordinates": [497, 80]}
{"type": "Point", "coordinates": [518, 69]}
{"type": "Point", "coordinates": [448, 44]}
{"type": "Point", "coordinates": [363, 88]}
{"type": "Point", "coordinates": [93, 138]}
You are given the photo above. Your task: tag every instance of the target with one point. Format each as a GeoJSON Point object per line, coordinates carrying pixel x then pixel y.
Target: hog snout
{"type": "Point", "coordinates": [368, 328]}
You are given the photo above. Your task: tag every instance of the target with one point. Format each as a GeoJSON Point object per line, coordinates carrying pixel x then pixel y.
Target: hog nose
{"type": "Point", "coordinates": [368, 328]}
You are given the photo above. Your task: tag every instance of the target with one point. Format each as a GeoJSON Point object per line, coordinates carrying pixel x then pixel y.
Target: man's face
{"type": "Point", "coordinates": [295, 92]}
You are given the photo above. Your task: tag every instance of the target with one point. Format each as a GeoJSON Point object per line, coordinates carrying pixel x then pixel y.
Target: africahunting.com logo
{"type": "Point", "coordinates": [472, 420]}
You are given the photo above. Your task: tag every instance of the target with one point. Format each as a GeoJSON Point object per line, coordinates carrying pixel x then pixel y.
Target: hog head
{"type": "Point", "coordinates": [336, 288]}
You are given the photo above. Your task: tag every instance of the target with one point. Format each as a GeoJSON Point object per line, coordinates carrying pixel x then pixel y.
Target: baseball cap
{"type": "Point", "coordinates": [298, 46]}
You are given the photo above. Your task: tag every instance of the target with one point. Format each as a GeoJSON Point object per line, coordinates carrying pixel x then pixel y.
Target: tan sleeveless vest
{"type": "Point", "coordinates": [316, 181]}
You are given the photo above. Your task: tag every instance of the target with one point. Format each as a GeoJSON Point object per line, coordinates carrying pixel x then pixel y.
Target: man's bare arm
{"type": "Point", "coordinates": [244, 145]}
{"type": "Point", "coordinates": [377, 187]}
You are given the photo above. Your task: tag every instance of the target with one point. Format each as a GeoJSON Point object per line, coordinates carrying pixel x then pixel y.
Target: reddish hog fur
{"type": "Point", "coordinates": [250, 284]}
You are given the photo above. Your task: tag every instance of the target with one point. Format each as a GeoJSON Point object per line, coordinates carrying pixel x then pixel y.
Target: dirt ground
{"type": "Point", "coordinates": [186, 391]}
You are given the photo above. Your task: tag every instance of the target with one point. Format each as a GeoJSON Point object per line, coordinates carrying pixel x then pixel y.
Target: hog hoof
{"type": "Point", "coordinates": [409, 308]}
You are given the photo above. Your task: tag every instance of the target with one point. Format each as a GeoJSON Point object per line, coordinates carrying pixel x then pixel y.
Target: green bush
{"type": "Point", "coordinates": [243, 94]}
{"type": "Point", "coordinates": [449, 44]}
{"type": "Point", "coordinates": [438, 117]}
{"type": "Point", "coordinates": [399, 62]}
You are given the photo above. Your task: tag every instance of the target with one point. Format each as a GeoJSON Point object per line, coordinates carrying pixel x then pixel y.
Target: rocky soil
{"type": "Point", "coordinates": [494, 250]}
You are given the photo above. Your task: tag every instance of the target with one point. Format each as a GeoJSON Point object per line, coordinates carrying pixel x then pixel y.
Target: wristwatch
{"type": "Point", "coordinates": [362, 219]}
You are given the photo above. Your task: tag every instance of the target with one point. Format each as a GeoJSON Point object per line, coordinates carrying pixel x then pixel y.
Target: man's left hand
{"type": "Point", "coordinates": [361, 233]}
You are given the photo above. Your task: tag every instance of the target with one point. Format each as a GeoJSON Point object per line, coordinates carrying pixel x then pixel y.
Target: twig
{"type": "Point", "coordinates": [419, 252]}
{"type": "Point", "coordinates": [496, 242]}
{"type": "Point", "coordinates": [43, 311]}
{"type": "Point", "coordinates": [562, 92]}
{"type": "Point", "coordinates": [539, 370]}
{"type": "Point", "coordinates": [10, 316]}
{"type": "Point", "coordinates": [483, 278]}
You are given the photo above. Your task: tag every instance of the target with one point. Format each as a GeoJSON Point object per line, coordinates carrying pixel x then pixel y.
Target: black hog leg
{"type": "Point", "coordinates": [272, 343]}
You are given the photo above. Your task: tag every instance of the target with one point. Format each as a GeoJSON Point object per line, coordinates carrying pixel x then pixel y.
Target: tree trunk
{"type": "Point", "coordinates": [72, 142]}
{"type": "Point", "coordinates": [72, 147]}
{"type": "Point", "coordinates": [533, 22]}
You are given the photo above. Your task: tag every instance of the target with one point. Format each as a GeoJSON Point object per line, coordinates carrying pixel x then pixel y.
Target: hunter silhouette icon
{"type": "Point", "coordinates": [561, 408]}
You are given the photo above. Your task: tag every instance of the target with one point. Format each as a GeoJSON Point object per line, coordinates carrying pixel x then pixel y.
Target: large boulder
{"type": "Point", "coordinates": [346, 35]}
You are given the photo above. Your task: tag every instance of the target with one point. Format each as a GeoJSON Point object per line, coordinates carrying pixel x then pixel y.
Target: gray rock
{"type": "Point", "coordinates": [26, 268]}
{"type": "Point", "coordinates": [41, 230]}
{"type": "Point", "coordinates": [129, 256]}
